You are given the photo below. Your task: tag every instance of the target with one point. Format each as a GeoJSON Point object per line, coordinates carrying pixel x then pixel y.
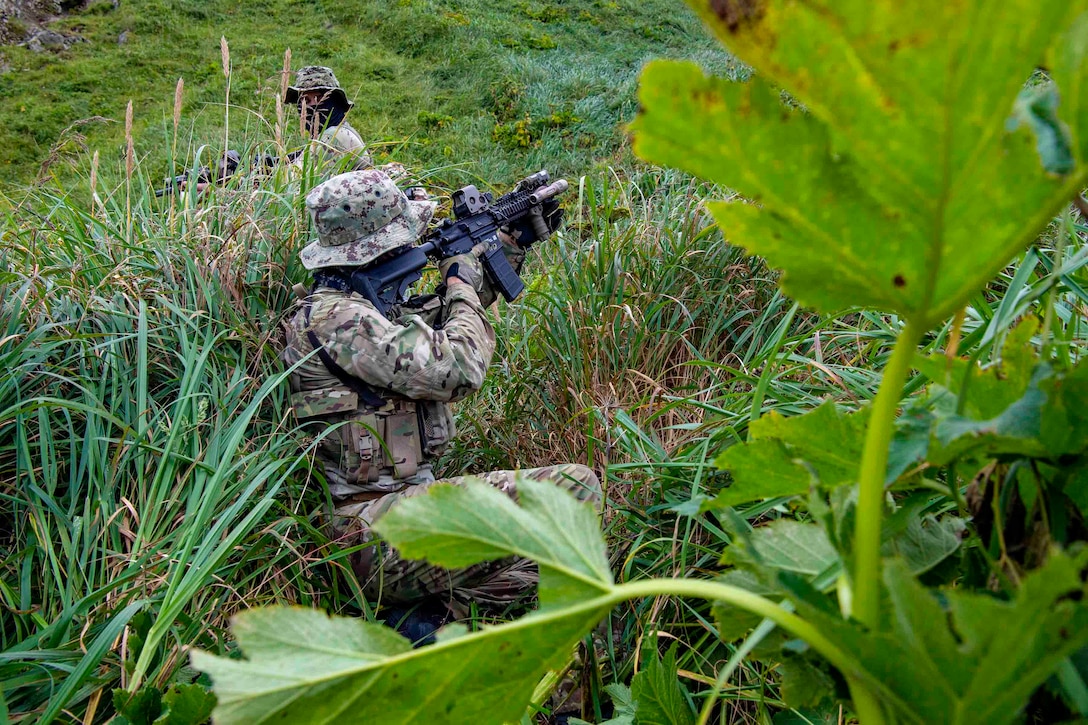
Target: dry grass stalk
{"type": "Point", "coordinates": [225, 54]}
{"type": "Point", "coordinates": [94, 174]}
{"type": "Point", "coordinates": [96, 202]}
{"type": "Point", "coordinates": [279, 123]}
{"type": "Point", "coordinates": [280, 120]}
{"type": "Point", "coordinates": [286, 72]}
{"type": "Point", "coordinates": [130, 154]}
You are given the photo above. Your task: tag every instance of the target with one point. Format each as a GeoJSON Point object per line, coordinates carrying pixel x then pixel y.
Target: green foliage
{"type": "Point", "coordinates": [372, 670]}
{"type": "Point", "coordinates": [645, 343]}
{"type": "Point", "coordinates": [1021, 407]}
{"type": "Point", "coordinates": [430, 120]}
{"type": "Point", "coordinates": [551, 530]}
{"type": "Point", "coordinates": [142, 444]}
{"type": "Point", "coordinates": [179, 705]}
{"type": "Point", "coordinates": [306, 667]}
{"type": "Point", "coordinates": [892, 180]}
{"type": "Point", "coordinates": [541, 42]}
{"type": "Point", "coordinates": [901, 188]}
{"type": "Point", "coordinates": [623, 707]}
{"type": "Point", "coordinates": [975, 659]}
{"type": "Point", "coordinates": [787, 456]}
{"type": "Point", "coordinates": [527, 132]}
{"type": "Point", "coordinates": [516, 135]}
{"type": "Point", "coordinates": [892, 193]}
{"type": "Point", "coordinates": [659, 697]}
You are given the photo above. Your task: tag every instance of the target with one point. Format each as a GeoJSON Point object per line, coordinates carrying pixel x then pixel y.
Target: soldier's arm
{"type": "Point", "coordinates": [346, 141]}
{"type": "Point", "coordinates": [408, 356]}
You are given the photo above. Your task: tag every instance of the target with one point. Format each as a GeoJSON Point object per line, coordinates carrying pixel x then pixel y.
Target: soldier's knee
{"type": "Point", "coordinates": [581, 481]}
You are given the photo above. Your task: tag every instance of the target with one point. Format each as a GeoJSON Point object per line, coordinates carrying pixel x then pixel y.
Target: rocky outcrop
{"type": "Point", "coordinates": [23, 22]}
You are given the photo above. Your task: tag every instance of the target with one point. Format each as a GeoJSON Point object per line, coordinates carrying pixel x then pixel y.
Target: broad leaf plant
{"type": "Point", "coordinates": [889, 155]}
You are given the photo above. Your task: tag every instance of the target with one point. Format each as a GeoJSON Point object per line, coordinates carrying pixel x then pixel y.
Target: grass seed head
{"type": "Point", "coordinates": [225, 53]}
{"type": "Point", "coordinates": [130, 153]}
{"type": "Point", "coordinates": [179, 91]}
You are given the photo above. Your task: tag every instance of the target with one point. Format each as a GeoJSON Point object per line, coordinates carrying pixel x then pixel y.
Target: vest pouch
{"type": "Point", "coordinates": [402, 442]}
{"type": "Point", "coordinates": [365, 446]}
{"type": "Point", "coordinates": [324, 402]}
{"type": "Point", "coordinates": [436, 426]}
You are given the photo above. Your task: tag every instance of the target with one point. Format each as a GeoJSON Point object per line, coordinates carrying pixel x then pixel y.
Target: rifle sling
{"type": "Point", "coordinates": [368, 394]}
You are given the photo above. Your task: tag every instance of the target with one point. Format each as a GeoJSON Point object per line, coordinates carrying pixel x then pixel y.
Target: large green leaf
{"type": "Point", "coordinates": [457, 526]}
{"type": "Point", "coordinates": [304, 667]}
{"type": "Point", "coordinates": [788, 456]}
{"type": "Point", "coordinates": [977, 661]}
{"type": "Point", "coordinates": [186, 705]}
{"type": "Point", "coordinates": [762, 555]}
{"type": "Point", "coordinates": [658, 695]}
{"type": "Point", "coordinates": [901, 183]}
{"type": "Point", "coordinates": [925, 541]}
{"type": "Point", "coordinates": [782, 545]}
{"type": "Point", "coordinates": [1021, 407]}
{"type": "Point", "coordinates": [623, 707]}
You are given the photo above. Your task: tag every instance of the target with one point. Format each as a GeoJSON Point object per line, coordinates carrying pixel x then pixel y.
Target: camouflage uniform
{"type": "Point", "coordinates": [338, 142]}
{"type": "Point", "coordinates": [432, 351]}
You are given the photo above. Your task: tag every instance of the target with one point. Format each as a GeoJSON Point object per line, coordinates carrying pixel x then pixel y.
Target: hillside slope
{"type": "Point", "coordinates": [437, 82]}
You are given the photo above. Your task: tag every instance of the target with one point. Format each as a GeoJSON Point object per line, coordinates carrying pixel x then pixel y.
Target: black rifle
{"type": "Point", "coordinates": [225, 169]}
{"type": "Point", "coordinates": [529, 213]}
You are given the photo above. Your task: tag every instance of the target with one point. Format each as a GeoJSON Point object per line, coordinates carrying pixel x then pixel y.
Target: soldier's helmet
{"type": "Point", "coordinates": [316, 78]}
{"type": "Point", "coordinates": [360, 216]}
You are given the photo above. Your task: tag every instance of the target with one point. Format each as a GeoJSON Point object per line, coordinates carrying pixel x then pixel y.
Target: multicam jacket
{"type": "Point", "coordinates": [343, 140]}
{"type": "Point", "coordinates": [421, 360]}
{"type": "Point", "coordinates": [340, 146]}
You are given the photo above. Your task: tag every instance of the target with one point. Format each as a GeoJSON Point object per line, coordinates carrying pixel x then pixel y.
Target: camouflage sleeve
{"type": "Point", "coordinates": [409, 356]}
{"type": "Point", "coordinates": [347, 142]}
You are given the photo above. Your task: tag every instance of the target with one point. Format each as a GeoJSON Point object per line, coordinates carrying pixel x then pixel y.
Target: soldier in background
{"type": "Point", "coordinates": [387, 385]}
{"type": "Point", "coordinates": [322, 105]}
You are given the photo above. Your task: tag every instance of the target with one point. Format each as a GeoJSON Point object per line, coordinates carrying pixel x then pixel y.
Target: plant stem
{"type": "Point", "coordinates": [1056, 273]}
{"type": "Point", "coordinates": [874, 466]}
{"type": "Point", "coordinates": [713, 591]}
{"type": "Point", "coordinates": [866, 705]}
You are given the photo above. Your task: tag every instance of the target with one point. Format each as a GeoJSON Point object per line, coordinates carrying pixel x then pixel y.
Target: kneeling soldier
{"type": "Point", "coordinates": [386, 384]}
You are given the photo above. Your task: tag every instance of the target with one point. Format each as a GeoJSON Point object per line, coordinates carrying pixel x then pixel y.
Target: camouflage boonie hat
{"type": "Point", "coordinates": [360, 216]}
{"type": "Point", "coordinates": [316, 78]}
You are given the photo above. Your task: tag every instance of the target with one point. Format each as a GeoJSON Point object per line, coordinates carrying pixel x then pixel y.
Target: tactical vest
{"type": "Point", "coordinates": [374, 449]}
{"type": "Point", "coordinates": [373, 440]}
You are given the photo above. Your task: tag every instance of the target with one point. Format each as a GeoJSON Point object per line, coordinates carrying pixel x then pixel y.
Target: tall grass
{"type": "Point", "coordinates": [146, 449]}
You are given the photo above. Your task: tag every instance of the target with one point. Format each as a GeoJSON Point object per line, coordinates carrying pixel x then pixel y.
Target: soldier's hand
{"type": "Point", "coordinates": [465, 268]}
{"type": "Point", "coordinates": [510, 248]}
{"type": "Point", "coordinates": [507, 238]}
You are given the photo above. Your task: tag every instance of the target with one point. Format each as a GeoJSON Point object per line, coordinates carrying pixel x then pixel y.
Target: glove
{"type": "Point", "coordinates": [514, 254]}
{"type": "Point", "coordinates": [465, 267]}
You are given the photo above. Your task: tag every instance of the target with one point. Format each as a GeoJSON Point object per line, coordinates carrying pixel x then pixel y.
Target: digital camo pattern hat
{"type": "Point", "coordinates": [360, 216]}
{"type": "Point", "coordinates": [316, 78]}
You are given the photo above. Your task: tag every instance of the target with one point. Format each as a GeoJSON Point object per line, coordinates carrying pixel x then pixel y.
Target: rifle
{"type": "Point", "coordinates": [530, 213]}
{"type": "Point", "coordinates": [225, 169]}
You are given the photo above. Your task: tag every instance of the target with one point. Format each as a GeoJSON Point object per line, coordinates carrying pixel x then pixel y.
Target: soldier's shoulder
{"type": "Point", "coordinates": [343, 137]}
{"type": "Point", "coordinates": [335, 308]}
